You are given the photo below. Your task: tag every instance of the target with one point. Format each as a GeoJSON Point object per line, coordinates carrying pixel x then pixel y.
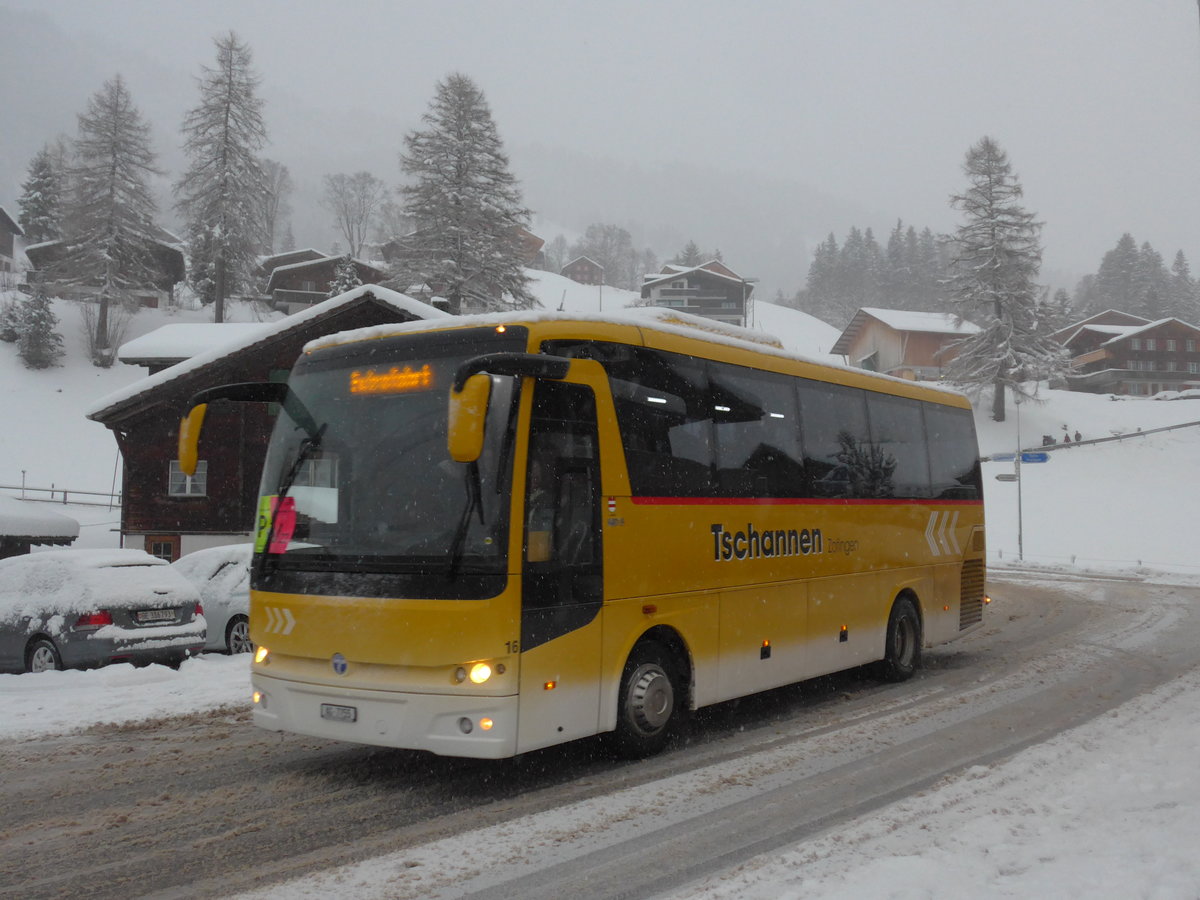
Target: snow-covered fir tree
{"type": "Point", "coordinates": [690, 255]}
{"type": "Point", "coordinates": [108, 217]}
{"type": "Point", "coordinates": [345, 277]}
{"type": "Point", "coordinates": [41, 199]}
{"type": "Point", "coordinates": [993, 278]}
{"type": "Point", "coordinates": [220, 195]}
{"type": "Point", "coordinates": [1184, 303]}
{"type": "Point", "coordinates": [39, 344]}
{"type": "Point", "coordinates": [466, 203]}
{"type": "Point", "coordinates": [10, 319]}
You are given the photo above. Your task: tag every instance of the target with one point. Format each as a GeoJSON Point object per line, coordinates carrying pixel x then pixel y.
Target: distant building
{"type": "Point", "coordinates": [168, 513]}
{"type": "Point", "coordinates": [904, 343]}
{"type": "Point", "coordinates": [165, 248]}
{"type": "Point", "coordinates": [584, 270]}
{"type": "Point", "coordinates": [712, 290]}
{"type": "Point", "coordinates": [1133, 359]}
{"type": "Point", "coordinates": [9, 232]}
{"type": "Point", "coordinates": [296, 286]}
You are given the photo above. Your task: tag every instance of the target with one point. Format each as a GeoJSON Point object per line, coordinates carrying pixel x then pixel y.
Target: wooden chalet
{"type": "Point", "coordinates": [165, 248]}
{"type": "Point", "coordinates": [170, 514]}
{"type": "Point", "coordinates": [712, 290]}
{"type": "Point", "coordinates": [584, 270]}
{"type": "Point", "coordinates": [296, 286]}
{"type": "Point", "coordinates": [9, 232]}
{"type": "Point", "coordinates": [904, 343]}
{"type": "Point", "coordinates": [1131, 359]}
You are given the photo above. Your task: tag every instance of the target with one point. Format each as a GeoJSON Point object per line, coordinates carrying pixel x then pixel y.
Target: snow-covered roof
{"type": "Point", "coordinates": [902, 320]}
{"type": "Point", "coordinates": [931, 322]}
{"type": "Point", "coordinates": [399, 302]}
{"type": "Point", "coordinates": [1149, 326]}
{"type": "Point", "coordinates": [584, 259]}
{"type": "Point", "coordinates": [675, 271]}
{"type": "Point", "coordinates": [310, 263]}
{"type": "Point", "coordinates": [26, 520]}
{"type": "Point", "coordinates": [174, 343]}
{"type": "Point", "coordinates": [12, 223]}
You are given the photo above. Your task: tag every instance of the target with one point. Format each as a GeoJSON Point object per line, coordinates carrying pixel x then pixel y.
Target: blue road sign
{"type": "Point", "coordinates": [1003, 457]}
{"type": "Point", "coordinates": [1034, 456]}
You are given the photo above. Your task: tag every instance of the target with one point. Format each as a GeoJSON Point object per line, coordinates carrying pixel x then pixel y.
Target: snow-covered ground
{"type": "Point", "coordinates": [1110, 809]}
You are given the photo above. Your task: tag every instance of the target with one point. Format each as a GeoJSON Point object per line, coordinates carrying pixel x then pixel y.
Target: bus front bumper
{"type": "Point", "coordinates": [448, 725]}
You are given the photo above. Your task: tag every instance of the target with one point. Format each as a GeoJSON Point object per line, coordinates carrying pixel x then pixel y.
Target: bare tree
{"type": "Point", "coordinates": [276, 202]}
{"type": "Point", "coordinates": [354, 201]}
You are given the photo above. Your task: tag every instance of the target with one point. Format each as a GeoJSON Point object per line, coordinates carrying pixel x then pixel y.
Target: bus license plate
{"type": "Point", "coordinates": [339, 713]}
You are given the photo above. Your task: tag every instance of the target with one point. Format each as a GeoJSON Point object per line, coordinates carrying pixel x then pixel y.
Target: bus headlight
{"type": "Point", "coordinates": [480, 672]}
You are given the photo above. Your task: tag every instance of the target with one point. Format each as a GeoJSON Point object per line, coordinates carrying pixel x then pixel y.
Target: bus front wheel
{"type": "Point", "coordinates": [902, 650]}
{"type": "Point", "coordinates": [649, 701]}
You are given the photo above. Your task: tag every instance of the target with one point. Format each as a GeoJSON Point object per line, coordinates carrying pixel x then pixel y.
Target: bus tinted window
{"type": "Point", "coordinates": [757, 434]}
{"type": "Point", "coordinates": [953, 460]}
{"type": "Point", "coordinates": [898, 433]}
{"type": "Point", "coordinates": [837, 443]}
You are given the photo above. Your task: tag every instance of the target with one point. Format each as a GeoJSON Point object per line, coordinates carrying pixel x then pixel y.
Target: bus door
{"type": "Point", "coordinates": [562, 569]}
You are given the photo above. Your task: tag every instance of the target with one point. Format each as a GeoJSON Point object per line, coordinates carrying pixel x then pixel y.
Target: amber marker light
{"type": "Point", "coordinates": [480, 672]}
{"type": "Point", "coordinates": [986, 599]}
{"type": "Point", "coordinates": [485, 724]}
{"type": "Point", "coordinates": [550, 685]}
{"type": "Point", "coordinates": [261, 655]}
{"type": "Point", "coordinates": [500, 329]}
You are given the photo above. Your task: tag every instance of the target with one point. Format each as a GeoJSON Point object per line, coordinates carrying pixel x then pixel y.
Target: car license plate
{"type": "Point", "coordinates": [339, 713]}
{"type": "Point", "coordinates": [156, 615]}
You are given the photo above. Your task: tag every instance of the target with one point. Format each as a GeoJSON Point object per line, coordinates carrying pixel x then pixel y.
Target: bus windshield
{"type": "Point", "coordinates": [358, 477]}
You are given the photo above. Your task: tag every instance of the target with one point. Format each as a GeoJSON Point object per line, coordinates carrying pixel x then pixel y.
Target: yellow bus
{"type": "Point", "coordinates": [491, 534]}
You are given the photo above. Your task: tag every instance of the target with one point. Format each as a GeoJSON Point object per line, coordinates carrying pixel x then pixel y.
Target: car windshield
{"type": "Point", "coordinates": [358, 476]}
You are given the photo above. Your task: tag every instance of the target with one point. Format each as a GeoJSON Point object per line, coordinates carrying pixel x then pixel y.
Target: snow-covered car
{"type": "Point", "coordinates": [222, 576]}
{"type": "Point", "coordinates": [86, 608]}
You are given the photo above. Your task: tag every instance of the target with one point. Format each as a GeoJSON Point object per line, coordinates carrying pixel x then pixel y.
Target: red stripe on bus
{"type": "Point", "coordinates": [792, 501]}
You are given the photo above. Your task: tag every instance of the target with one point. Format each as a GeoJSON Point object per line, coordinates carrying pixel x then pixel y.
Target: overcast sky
{"type": "Point", "coordinates": [1096, 101]}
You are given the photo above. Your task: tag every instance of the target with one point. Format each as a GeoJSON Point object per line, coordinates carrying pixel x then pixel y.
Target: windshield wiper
{"type": "Point", "coordinates": [474, 503]}
{"type": "Point", "coordinates": [308, 446]}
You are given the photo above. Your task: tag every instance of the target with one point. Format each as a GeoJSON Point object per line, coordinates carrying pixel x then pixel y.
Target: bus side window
{"type": "Point", "coordinates": [562, 482]}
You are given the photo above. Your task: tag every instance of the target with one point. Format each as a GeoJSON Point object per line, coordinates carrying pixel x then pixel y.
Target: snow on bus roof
{"type": "Point", "coordinates": [657, 318]}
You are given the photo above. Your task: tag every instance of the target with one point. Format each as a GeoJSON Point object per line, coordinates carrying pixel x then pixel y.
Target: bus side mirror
{"type": "Point", "coordinates": [189, 437]}
{"type": "Point", "coordinates": [468, 411]}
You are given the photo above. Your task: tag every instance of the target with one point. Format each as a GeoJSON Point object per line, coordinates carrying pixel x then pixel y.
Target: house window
{"type": "Point", "coordinates": [1193, 368]}
{"type": "Point", "coordinates": [181, 485]}
{"type": "Point", "coordinates": [679, 284]}
{"type": "Point", "coordinates": [1137, 343]}
{"type": "Point", "coordinates": [1151, 344]}
{"type": "Point", "coordinates": [164, 546]}
{"type": "Point", "coordinates": [1190, 344]}
{"type": "Point", "coordinates": [1172, 345]}
{"type": "Point", "coordinates": [308, 285]}
{"type": "Point", "coordinates": [1172, 366]}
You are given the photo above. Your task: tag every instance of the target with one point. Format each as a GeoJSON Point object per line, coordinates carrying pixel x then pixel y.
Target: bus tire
{"type": "Point", "coordinates": [902, 647]}
{"type": "Point", "coordinates": [648, 707]}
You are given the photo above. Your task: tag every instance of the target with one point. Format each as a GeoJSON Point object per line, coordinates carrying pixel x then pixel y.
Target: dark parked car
{"type": "Point", "coordinates": [85, 608]}
{"type": "Point", "coordinates": [222, 576]}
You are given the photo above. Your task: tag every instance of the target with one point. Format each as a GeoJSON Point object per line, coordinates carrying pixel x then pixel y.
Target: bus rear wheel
{"type": "Point", "coordinates": [902, 649]}
{"type": "Point", "coordinates": [649, 703]}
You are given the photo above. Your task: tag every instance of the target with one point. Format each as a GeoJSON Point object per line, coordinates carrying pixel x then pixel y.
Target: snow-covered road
{"type": "Point", "coordinates": [209, 803]}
